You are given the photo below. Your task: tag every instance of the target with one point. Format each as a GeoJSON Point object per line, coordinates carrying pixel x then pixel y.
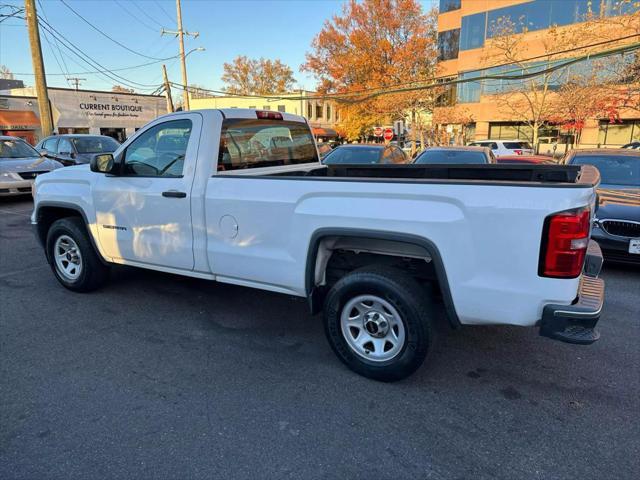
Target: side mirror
{"type": "Point", "coordinates": [43, 153]}
{"type": "Point", "coordinates": [102, 163]}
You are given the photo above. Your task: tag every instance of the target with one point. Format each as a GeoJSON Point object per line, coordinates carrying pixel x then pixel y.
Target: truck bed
{"type": "Point", "coordinates": [564, 175]}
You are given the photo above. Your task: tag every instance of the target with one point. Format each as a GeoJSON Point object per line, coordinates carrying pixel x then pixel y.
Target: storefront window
{"type": "Point", "coordinates": [618, 133]}
{"type": "Point", "coordinates": [473, 30]}
{"type": "Point", "coordinates": [510, 131]}
{"type": "Point", "coordinates": [449, 5]}
{"type": "Point", "coordinates": [319, 112]}
{"type": "Point", "coordinates": [448, 44]}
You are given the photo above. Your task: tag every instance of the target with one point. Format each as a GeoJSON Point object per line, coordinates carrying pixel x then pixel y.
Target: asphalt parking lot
{"type": "Point", "coordinates": [157, 376]}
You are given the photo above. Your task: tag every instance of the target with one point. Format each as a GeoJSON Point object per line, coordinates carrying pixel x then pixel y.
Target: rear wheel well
{"type": "Point", "coordinates": [337, 255]}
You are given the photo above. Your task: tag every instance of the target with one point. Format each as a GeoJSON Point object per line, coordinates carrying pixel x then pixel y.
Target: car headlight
{"type": "Point", "coordinates": [9, 176]}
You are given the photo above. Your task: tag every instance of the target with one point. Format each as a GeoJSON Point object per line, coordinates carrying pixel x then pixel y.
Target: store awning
{"type": "Point", "coordinates": [18, 120]}
{"type": "Point", "coordinates": [324, 132]}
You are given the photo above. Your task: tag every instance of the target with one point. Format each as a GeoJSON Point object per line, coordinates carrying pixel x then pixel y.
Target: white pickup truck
{"type": "Point", "coordinates": [239, 196]}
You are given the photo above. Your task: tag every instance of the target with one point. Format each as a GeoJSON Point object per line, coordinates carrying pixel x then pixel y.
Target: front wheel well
{"type": "Point", "coordinates": [46, 215]}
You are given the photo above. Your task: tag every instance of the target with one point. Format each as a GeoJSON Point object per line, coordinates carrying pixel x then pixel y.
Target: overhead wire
{"type": "Point", "coordinates": [62, 59]}
{"type": "Point", "coordinates": [133, 15]}
{"type": "Point", "coordinates": [145, 13]}
{"type": "Point", "coordinates": [87, 58]}
{"type": "Point", "coordinates": [101, 32]}
{"type": "Point", "coordinates": [391, 89]}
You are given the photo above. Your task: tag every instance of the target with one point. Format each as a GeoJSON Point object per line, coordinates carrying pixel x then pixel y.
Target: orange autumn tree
{"type": "Point", "coordinates": [375, 44]}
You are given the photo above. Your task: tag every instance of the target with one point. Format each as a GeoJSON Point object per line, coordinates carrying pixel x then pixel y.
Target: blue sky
{"type": "Point", "coordinates": [280, 29]}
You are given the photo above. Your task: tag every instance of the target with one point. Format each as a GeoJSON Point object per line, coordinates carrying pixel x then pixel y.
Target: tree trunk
{"type": "Point", "coordinates": [413, 132]}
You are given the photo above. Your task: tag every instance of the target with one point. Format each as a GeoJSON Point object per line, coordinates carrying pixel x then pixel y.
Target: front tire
{"type": "Point", "coordinates": [378, 321]}
{"type": "Point", "coordinates": [74, 261]}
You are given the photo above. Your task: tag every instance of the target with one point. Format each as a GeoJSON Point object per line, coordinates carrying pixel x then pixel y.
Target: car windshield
{"type": "Point", "coordinates": [16, 149]}
{"type": "Point", "coordinates": [451, 156]}
{"type": "Point", "coordinates": [614, 169]}
{"type": "Point", "coordinates": [354, 155]}
{"type": "Point", "coordinates": [517, 145]}
{"type": "Point", "coordinates": [95, 144]}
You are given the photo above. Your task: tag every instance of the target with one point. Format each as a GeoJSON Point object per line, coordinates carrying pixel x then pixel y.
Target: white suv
{"type": "Point", "coordinates": [501, 148]}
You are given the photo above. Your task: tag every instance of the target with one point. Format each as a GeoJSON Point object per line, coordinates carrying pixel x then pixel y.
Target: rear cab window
{"type": "Point", "coordinates": [256, 143]}
{"type": "Point", "coordinates": [517, 145]}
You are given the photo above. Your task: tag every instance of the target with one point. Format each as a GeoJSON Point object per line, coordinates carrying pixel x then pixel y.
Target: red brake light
{"type": "Point", "coordinates": [518, 152]}
{"type": "Point", "coordinates": [266, 114]}
{"type": "Point", "coordinates": [564, 243]}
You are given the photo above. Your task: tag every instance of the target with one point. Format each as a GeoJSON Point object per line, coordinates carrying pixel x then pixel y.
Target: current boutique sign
{"type": "Point", "coordinates": [103, 109]}
{"type": "Point", "coordinates": [111, 109]}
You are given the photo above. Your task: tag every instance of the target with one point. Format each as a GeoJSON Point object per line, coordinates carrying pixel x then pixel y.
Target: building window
{"type": "Point", "coordinates": [449, 5]}
{"type": "Point", "coordinates": [448, 44]}
{"type": "Point", "coordinates": [468, 92]}
{"type": "Point", "coordinates": [328, 113]}
{"type": "Point", "coordinates": [621, 133]}
{"type": "Point", "coordinates": [319, 112]}
{"type": "Point", "coordinates": [266, 107]}
{"type": "Point", "coordinates": [510, 131]}
{"type": "Point", "coordinates": [448, 96]}
{"type": "Point", "coordinates": [282, 108]}
{"type": "Point", "coordinates": [309, 111]}
{"type": "Point", "coordinates": [472, 31]}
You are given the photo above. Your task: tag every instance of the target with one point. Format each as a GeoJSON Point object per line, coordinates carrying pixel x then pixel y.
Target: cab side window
{"type": "Point", "coordinates": [160, 151]}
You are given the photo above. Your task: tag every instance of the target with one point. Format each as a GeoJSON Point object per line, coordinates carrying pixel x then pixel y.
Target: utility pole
{"type": "Point", "coordinates": [76, 81]}
{"type": "Point", "coordinates": [46, 119]}
{"type": "Point", "coordinates": [180, 33]}
{"type": "Point", "coordinates": [167, 89]}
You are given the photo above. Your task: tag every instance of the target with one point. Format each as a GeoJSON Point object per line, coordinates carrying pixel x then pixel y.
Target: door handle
{"type": "Point", "coordinates": [174, 194]}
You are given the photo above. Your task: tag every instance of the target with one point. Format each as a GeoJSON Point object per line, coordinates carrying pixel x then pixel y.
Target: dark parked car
{"type": "Point", "coordinates": [632, 145]}
{"type": "Point", "coordinates": [76, 149]}
{"type": "Point", "coordinates": [365, 154]}
{"type": "Point", "coordinates": [617, 224]}
{"type": "Point", "coordinates": [452, 155]}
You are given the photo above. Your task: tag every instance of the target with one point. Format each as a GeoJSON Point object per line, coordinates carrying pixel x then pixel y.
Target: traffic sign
{"type": "Point", "coordinates": [378, 131]}
{"type": "Point", "coordinates": [388, 134]}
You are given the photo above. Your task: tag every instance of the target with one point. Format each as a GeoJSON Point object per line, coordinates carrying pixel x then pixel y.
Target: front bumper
{"type": "Point", "coordinates": [576, 323]}
{"type": "Point", "coordinates": [615, 248]}
{"type": "Point", "coordinates": [15, 187]}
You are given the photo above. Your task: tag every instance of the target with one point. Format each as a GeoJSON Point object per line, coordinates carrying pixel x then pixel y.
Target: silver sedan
{"type": "Point", "coordinates": [20, 164]}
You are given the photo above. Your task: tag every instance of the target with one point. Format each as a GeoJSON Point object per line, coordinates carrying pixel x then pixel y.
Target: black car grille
{"type": "Point", "coordinates": [621, 228]}
{"type": "Point", "coordinates": [29, 175]}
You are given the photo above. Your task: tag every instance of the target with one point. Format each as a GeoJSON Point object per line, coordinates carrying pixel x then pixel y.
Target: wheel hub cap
{"type": "Point", "coordinates": [372, 328]}
{"type": "Point", "coordinates": [67, 257]}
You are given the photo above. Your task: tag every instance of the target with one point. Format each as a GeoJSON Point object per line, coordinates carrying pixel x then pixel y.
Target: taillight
{"type": "Point", "coordinates": [266, 114]}
{"type": "Point", "coordinates": [565, 238]}
{"type": "Point", "coordinates": [518, 152]}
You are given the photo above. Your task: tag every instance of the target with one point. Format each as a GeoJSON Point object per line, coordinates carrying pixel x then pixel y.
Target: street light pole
{"type": "Point", "coordinates": [46, 119]}
{"type": "Point", "coordinates": [180, 33]}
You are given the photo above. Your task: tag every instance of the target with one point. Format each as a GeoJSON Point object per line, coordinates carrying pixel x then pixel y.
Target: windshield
{"type": "Point", "coordinates": [16, 149]}
{"type": "Point", "coordinates": [354, 155]}
{"type": "Point", "coordinates": [451, 156]}
{"type": "Point", "coordinates": [614, 169]}
{"type": "Point", "coordinates": [95, 144]}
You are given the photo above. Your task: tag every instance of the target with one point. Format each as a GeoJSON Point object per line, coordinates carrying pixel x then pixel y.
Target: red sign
{"type": "Point", "coordinates": [378, 131]}
{"type": "Point", "coordinates": [388, 134]}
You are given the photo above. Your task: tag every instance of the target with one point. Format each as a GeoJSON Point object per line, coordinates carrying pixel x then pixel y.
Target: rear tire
{"type": "Point", "coordinates": [74, 261]}
{"type": "Point", "coordinates": [378, 321]}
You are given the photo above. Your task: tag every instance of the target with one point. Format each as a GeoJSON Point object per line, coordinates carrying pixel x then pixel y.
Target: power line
{"type": "Point", "coordinates": [385, 90]}
{"type": "Point", "coordinates": [163, 10]}
{"type": "Point", "coordinates": [46, 37]}
{"type": "Point", "coordinates": [133, 15]}
{"type": "Point", "coordinates": [101, 32]}
{"type": "Point", "coordinates": [146, 14]}
{"type": "Point", "coordinates": [174, 58]}
{"type": "Point", "coordinates": [87, 59]}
